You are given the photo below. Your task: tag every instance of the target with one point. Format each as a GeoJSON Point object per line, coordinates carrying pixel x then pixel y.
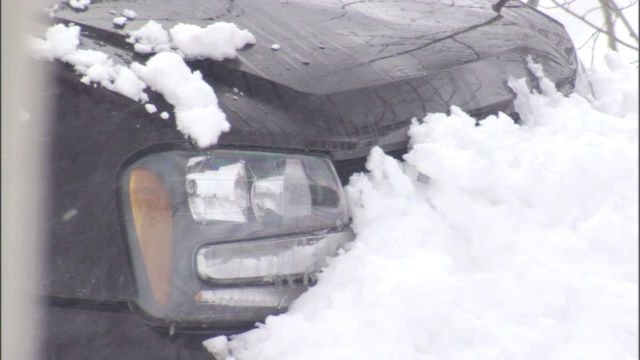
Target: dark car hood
{"type": "Point", "coordinates": [350, 75]}
{"type": "Point", "coordinates": [332, 46]}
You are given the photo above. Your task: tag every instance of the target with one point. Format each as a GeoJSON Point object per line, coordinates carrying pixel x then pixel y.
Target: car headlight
{"type": "Point", "coordinates": [225, 237]}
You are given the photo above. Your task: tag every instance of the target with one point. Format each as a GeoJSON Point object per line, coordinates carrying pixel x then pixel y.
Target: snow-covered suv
{"type": "Point", "coordinates": [182, 209]}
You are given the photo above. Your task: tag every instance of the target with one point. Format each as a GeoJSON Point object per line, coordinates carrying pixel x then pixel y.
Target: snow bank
{"type": "Point", "coordinates": [490, 242]}
{"type": "Point", "coordinates": [615, 91]}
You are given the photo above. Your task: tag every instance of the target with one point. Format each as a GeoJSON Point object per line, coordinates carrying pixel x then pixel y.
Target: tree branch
{"type": "Point", "coordinates": [608, 22]}
{"type": "Point", "coordinates": [594, 26]}
{"type": "Point", "coordinates": [617, 11]}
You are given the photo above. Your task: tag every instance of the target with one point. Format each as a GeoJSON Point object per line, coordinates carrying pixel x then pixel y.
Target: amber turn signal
{"type": "Point", "coordinates": [152, 216]}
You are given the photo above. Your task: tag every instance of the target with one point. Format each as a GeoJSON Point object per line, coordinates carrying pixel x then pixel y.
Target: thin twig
{"type": "Point", "coordinates": [595, 27]}
{"type": "Point", "coordinates": [617, 11]}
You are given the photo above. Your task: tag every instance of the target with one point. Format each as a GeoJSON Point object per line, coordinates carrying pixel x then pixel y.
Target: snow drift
{"type": "Point", "coordinates": [498, 241]}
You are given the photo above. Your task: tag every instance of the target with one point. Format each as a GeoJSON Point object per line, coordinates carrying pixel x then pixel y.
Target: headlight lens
{"type": "Point", "coordinates": [275, 261]}
{"type": "Point", "coordinates": [226, 224]}
{"type": "Point", "coordinates": [217, 195]}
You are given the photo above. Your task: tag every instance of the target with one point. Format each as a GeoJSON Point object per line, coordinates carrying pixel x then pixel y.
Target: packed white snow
{"type": "Point", "coordinates": [79, 4]}
{"type": "Point", "coordinates": [58, 41]}
{"type": "Point", "coordinates": [151, 37]}
{"type": "Point", "coordinates": [498, 241]}
{"type": "Point", "coordinates": [218, 41]}
{"type": "Point", "coordinates": [150, 108]}
{"type": "Point", "coordinates": [120, 20]}
{"type": "Point", "coordinates": [196, 105]}
{"type": "Point", "coordinates": [197, 113]}
{"type": "Point", "coordinates": [129, 14]}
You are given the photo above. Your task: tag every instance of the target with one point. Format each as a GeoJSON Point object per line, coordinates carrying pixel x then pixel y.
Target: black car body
{"type": "Point", "coordinates": [348, 76]}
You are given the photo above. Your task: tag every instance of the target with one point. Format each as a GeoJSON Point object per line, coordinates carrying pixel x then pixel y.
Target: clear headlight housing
{"type": "Point", "coordinates": [227, 237]}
